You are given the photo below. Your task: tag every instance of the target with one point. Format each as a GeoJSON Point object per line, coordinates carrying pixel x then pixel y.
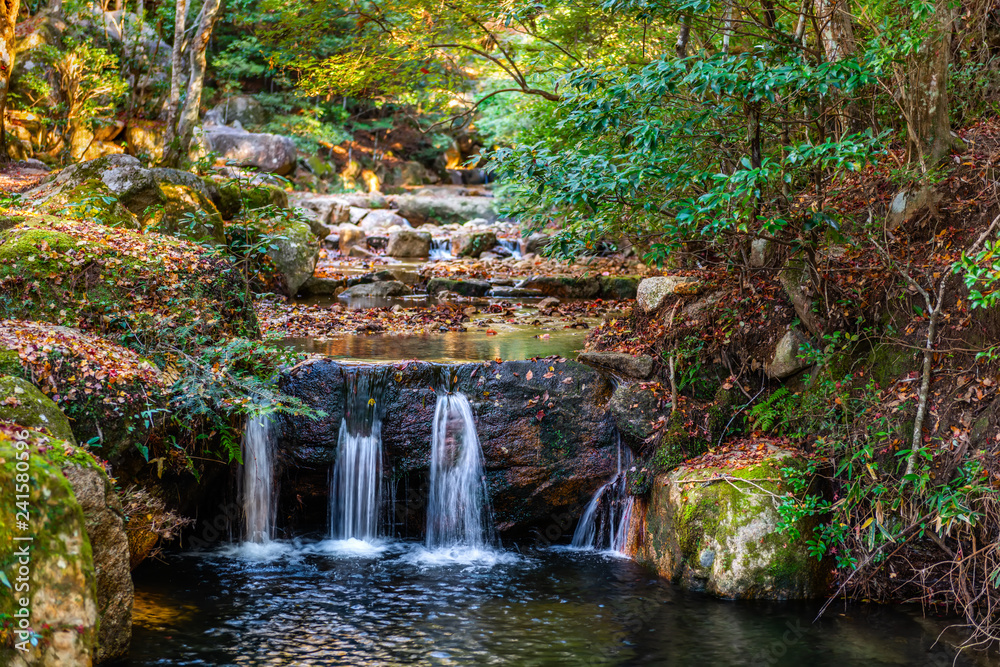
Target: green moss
{"type": "Point", "coordinates": [26, 406]}
{"type": "Point", "coordinates": [92, 200]}
{"type": "Point", "coordinates": [61, 558]}
{"type": "Point", "coordinates": [188, 213]}
{"type": "Point", "coordinates": [618, 287]}
{"type": "Point", "coordinates": [10, 364]}
{"type": "Point", "coordinates": [264, 195]}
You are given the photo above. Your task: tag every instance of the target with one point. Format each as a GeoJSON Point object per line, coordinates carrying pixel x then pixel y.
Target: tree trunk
{"type": "Point", "coordinates": [837, 37]}
{"type": "Point", "coordinates": [8, 21]}
{"type": "Point", "coordinates": [192, 102]}
{"type": "Point", "coordinates": [924, 92]}
{"type": "Point", "coordinates": [176, 74]}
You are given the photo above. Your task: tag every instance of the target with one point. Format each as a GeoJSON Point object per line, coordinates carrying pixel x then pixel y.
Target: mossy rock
{"type": "Point", "coordinates": [635, 408]}
{"type": "Point", "coordinates": [92, 200]}
{"type": "Point", "coordinates": [291, 247]}
{"type": "Point", "coordinates": [188, 213]}
{"type": "Point", "coordinates": [126, 285]}
{"type": "Point", "coordinates": [125, 178]}
{"type": "Point", "coordinates": [262, 195]}
{"type": "Point", "coordinates": [26, 405]}
{"type": "Point", "coordinates": [10, 364]}
{"type": "Point", "coordinates": [230, 201]}
{"type": "Point", "coordinates": [715, 529]}
{"type": "Point", "coordinates": [62, 598]}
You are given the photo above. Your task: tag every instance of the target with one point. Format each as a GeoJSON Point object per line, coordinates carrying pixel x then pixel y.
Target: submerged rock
{"type": "Point", "coordinates": [547, 440]}
{"type": "Point", "coordinates": [715, 530]}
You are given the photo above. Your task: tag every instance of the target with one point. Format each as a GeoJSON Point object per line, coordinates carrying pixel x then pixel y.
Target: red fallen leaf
{"type": "Point", "coordinates": [540, 415]}
{"type": "Point", "coordinates": [491, 332]}
{"type": "Point", "coordinates": [548, 375]}
{"type": "Point", "coordinates": [528, 375]}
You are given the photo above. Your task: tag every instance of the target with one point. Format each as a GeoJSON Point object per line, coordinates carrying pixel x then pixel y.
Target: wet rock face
{"type": "Point", "coordinates": [548, 442]}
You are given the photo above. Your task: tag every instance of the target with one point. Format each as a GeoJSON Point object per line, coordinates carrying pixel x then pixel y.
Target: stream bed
{"type": "Point", "coordinates": [348, 603]}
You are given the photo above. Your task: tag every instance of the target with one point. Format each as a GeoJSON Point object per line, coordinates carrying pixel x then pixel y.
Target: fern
{"type": "Point", "coordinates": [772, 411]}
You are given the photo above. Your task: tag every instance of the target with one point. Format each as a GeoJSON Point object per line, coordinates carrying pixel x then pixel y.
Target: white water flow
{"type": "Point", "coordinates": [605, 521]}
{"type": "Point", "coordinates": [440, 249]}
{"type": "Point", "coordinates": [458, 513]}
{"type": "Point", "coordinates": [258, 490]}
{"type": "Point", "coordinates": [356, 479]}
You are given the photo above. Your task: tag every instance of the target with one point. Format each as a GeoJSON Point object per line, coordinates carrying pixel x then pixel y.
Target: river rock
{"type": "Point", "coordinates": [463, 287]}
{"type": "Point", "coordinates": [547, 442]}
{"type": "Point", "coordinates": [408, 243]}
{"type": "Point", "coordinates": [653, 291]}
{"type": "Point", "coordinates": [548, 303]}
{"type": "Point", "coordinates": [618, 287]}
{"type": "Point", "coordinates": [534, 244]}
{"type": "Point", "coordinates": [715, 530]}
{"type": "Point", "coordinates": [385, 289]}
{"type": "Point", "coordinates": [637, 367]}
{"type": "Point", "coordinates": [269, 152]}
{"type": "Point", "coordinates": [504, 291]}
{"type": "Point", "coordinates": [292, 247]}
{"type": "Point", "coordinates": [786, 361]}
{"type": "Point", "coordinates": [472, 244]}
{"type": "Point", "coordinates": [315, 286]}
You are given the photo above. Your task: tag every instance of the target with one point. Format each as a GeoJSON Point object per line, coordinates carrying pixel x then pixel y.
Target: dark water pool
{"type": "Point", "coordinates": [326, 603]}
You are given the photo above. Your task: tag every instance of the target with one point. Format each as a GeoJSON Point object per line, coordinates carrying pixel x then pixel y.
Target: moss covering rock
{"type": "Point", "coordinates": [92, 200]}
{"type": "Point", "coordinates": [24, 404]}
{"type": "Point", "coordinates": [126, 285]}
{"type": "Point", "coordinates": [715, 529]}
{"type": "Point", "coordinates": [57, 589]}
{"type": "Point", "coordinates": [291, 246]}
{"type": "Point", "coordinates": [188, 213]}
{"type": "Point", "coordinates": [124, 176]}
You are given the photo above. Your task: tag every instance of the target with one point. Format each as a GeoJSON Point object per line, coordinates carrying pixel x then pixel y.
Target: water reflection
{"type": "Point", "coordinates": [310, 606]}
{"type": "Point", "coordinates": [472, 345]}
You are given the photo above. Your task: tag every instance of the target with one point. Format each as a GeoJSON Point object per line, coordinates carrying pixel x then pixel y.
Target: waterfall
{"type": "Point", "coordinates": [257, 490]}
{"type": "Point", "coordinates": [458, 513]}
{"type": "Point", "coordinates": [513, 245]}
{"type": "Point", "coordinates": [604, 524]}
{"type": "Point", "coordinates": [440, 249]}
{"type": "Point", "coordinates": [356, 478]}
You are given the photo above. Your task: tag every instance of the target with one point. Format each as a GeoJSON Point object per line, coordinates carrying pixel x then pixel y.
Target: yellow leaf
{"type": "Point", "coordinates": [867, 523]}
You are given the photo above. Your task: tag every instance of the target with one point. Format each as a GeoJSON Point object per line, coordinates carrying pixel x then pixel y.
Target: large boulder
{"type": "Point", "coordinates": [54, 622]}
{"type": "Point", "coordinates": [547, 442]}
{"type": "Point", "coordinates": [653, 291]}
{"type": "Point", "coordinates": [291, 246]}
{"type": "Point", "coordinates": [244, 109]}
{"type": "Point", "coordinates": [442, 210]}
{"type": "Point", "coordinates": [123, 175]}
{"type": "Point", "coordinates": [188, 213]}
{"type": "Point", "coordinates": [146, 138]}
{"type": "Point", "coordinates": [268, 152]}
{"type": "Point", "coordinates": [408, 243]}
{"type": "Point", "coordinates": [714, 528]}
{"type": "Point", "coordinates": [635, 409]}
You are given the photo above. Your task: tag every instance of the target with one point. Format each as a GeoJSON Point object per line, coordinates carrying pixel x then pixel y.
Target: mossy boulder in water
{"type": "Point", "coordinates": [715, 529]}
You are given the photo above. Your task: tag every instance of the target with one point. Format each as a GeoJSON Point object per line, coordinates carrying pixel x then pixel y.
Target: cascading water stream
{"type": "Point", "coordinates": [257, 490]}
{"type": "Point", "coordinates": [458, 513]}
{"type": "Point", "coordinates": [513, 245]}
{"type": "Point", "coordinates": [604, 523]}
{"type": "Point", "coordinates": [356, 479]}
{"type": "Point", "coordinates": [440, 249]}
